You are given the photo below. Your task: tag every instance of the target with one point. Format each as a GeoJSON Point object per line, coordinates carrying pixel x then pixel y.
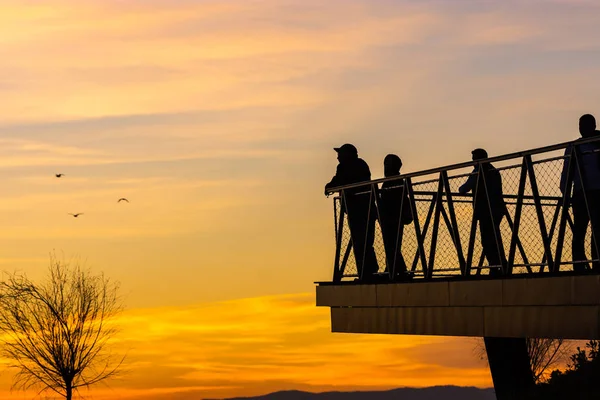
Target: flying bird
{"type": "Point", "coordinates": [122, 199]}
{"type": "Point", "coordinates": [59, 175]}
{"type": "Point", "coordinates": [76, 215]}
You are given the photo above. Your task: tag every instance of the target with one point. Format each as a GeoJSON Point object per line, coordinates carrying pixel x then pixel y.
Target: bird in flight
{"type": "Point", "coordinates": [76, 215]}
{"type": "Point", "coordinates": [59, 175]}
{"type": "Point", "coordinates": [122, 199]}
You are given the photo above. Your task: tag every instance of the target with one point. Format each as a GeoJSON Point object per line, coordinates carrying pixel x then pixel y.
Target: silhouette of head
{"type": "Point", "coordinates": [391, 165]}
{"type": "Point", "coordinates": [587, 125]}
{"type": "Point", "coordinates": [479, 154]}
{"type": "Point", "coordinates": [346, 152]}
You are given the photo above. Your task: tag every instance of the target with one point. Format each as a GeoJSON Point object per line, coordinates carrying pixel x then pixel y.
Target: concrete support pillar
{"type": "Point", "coordinates": [509, 366]}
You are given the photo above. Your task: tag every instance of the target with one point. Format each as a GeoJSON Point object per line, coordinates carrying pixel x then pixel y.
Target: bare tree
{"type": "Point", "coordinates": [544, 355]}
{"type": "Point", "coordinates": [56, 333]}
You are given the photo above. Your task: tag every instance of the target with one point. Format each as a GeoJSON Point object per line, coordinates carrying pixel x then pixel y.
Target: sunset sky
{"type": "Point", "coordinates": [216, 119]}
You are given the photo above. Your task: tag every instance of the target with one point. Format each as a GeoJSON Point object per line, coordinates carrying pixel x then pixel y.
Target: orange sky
{"type": "Point", "coordinates": [216, 119]}
{"type": "Point", "coordinates": [252, 346]}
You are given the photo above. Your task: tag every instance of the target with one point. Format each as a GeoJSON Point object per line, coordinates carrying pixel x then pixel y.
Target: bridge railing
{"type": "Point", "coordinates": [444, 239]}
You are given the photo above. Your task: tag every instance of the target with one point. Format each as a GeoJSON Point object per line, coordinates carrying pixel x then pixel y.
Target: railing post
{"type": "Point", "coordinates": [424, 230]}
{"type": "Point", "coordinates": [540, 213]}
{"type": "Point", "coordinates": [519, 245]}
{"type": "Point", "coordinates": [413, 209]}
{"type": "Point", "coordinates": [367, 232]}
{"type": "Point", "coordinates": [517, 221]}
{"type": "Point", "coordinates": [339, 226]}
{"type": "Point", "coordinates": [454, 228]}
{"type": "Point", "coordinates": [566, 200]}
{"type": "Point", "coordinates": [388, 268]}
{"type": "Point", "coordinates": [436, 226]}
{"type": "Point", "coordinates": [350, 246]}
{"type": "Point", "coordinates": [400, 229]}
{"type": "Point", "coordinates": [473, 231]}
{"type": "Point", "coordinates": [551, 235]}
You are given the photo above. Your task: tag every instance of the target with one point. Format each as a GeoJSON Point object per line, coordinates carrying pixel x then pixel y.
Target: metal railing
{"type": "Point", "coordinates": [534, 235]}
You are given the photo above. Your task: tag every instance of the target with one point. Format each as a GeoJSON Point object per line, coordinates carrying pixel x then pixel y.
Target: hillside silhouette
{"type": "Point", "coordinates": [430, 393]}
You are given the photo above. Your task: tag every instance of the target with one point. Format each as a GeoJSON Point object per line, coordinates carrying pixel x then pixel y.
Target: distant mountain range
{"type": "Point", "coordinates": [430, 393]}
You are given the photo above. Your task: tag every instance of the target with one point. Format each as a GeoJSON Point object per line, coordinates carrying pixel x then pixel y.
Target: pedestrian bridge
{"type": "Point", "coordinates": [538, 294]}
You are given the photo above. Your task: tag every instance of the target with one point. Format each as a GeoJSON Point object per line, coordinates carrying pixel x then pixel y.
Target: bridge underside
{"type": "Point", "coordinates": [542, 307]}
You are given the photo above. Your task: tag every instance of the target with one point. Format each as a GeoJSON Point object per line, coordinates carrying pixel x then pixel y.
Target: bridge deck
{"type": "Point", "coordinates": [565, 306]}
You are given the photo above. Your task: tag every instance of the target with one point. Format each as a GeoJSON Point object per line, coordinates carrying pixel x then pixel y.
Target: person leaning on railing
{"type": "Point", "coordinates": [590, 168]}
{"type": "Point", "coordinates": [488, 210]}
{"type": "Point", "coordinates": [391, 198]}
{"type": "Point", "coordinates": [359, 206]}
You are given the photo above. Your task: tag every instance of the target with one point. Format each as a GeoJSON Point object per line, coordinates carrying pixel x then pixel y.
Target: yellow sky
{"type": "Point", "coordinates": [217, 118]}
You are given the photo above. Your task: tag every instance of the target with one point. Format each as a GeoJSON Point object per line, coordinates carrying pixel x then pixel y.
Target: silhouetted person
{"type": "Point", "coordinates": [393, 218]}
{"type": "Point", "coordinates": [352, 169]}
{"type": "Point", "coordinates": [590, 168]}
{"type": "Point", "coordinates": [488, 210]}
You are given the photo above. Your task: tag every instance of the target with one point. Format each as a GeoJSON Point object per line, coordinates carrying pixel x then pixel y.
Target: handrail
{"type": "Point", "coordinates": [504, 157]}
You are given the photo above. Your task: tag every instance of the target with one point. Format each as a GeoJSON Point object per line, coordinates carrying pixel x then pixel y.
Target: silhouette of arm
{"type": "Point", "coordinates": [347, 174]}
{"type": "Point", "coordinates": [336, 181]}
{"type": "Point", "coordinates": [469, 185]}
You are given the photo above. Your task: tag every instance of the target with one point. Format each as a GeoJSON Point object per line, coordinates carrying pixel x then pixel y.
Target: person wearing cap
{"type": "Point", "coordinates": [590, 169]}
{"type": "Point", "coordinates": [359, 206]}
{"type": "Point", "coordinates": [488, 208]}
{"type": "Point", "coordinates": [393, 218]}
